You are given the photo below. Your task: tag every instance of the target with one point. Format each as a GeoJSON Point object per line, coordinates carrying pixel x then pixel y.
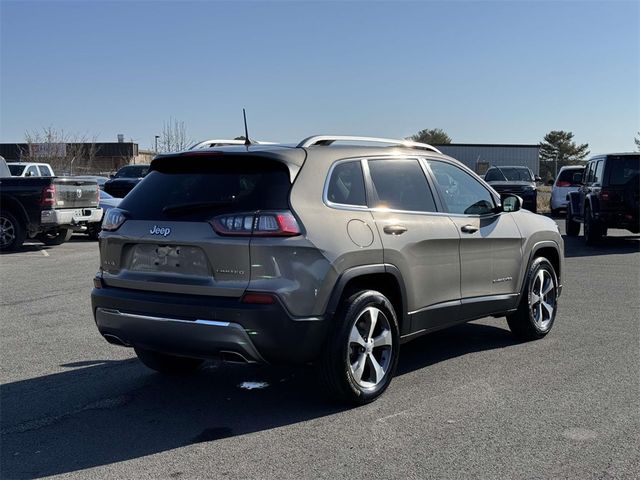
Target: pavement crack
{"type": "Point", "coordinates": [38, 423]}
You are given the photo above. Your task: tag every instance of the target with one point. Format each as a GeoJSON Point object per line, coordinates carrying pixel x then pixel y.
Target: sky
{"type": "Point", "coordinates": [485, 72]}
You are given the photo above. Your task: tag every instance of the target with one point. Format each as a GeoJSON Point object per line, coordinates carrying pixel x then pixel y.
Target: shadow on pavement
{"type": "Point", "coordinates": [105, 411]}
{"type": "Point", "coordinates": [616, 245]}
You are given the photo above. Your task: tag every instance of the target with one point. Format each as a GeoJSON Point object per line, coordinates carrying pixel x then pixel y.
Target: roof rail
{"type": "Point", "coordinates": [329, 139]}
{"type": "Point", "coordinates": [221, 142]}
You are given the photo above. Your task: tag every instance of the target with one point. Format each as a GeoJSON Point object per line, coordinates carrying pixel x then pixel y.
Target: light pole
{"type": "Point", "coordinates": [157, 137]}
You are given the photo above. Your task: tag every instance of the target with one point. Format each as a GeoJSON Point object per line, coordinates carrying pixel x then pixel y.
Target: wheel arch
{"type": "Point", "coordinates": [549, 250]}
{"type": "Point", "coordinates": [384, 278]}
{"type": "Point", "coordinates": [10, 204]}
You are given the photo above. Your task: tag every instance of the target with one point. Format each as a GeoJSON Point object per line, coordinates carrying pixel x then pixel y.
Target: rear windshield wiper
{"type": "Point", "coordinates": [190, 206]}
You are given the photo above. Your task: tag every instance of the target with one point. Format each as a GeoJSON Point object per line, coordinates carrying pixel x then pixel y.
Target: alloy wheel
{"type": "Point", "coordinates": [7, 231]}
{"type": "Point", "coordinates": [370, 348]}
{"type": "Point", "coordinates": [542, 300]}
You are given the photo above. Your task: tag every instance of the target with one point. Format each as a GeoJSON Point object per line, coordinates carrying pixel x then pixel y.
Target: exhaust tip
{"type": "Point", "coordinates": [114, 340]}
{"type": "Point", "coordinates": [229, 356]}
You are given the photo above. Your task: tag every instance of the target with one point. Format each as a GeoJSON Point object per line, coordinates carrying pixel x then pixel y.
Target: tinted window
{"type": "Point", "coordinates": [133, 171]}
{"type": "Point", "coordinates": [511, 174]}
{"type": "Point", "coordinates": [589, 174]}
{"type": "Point", "coordinates": [401, 185]}
{"type": "Point", "coordinates": [623, 169]}
{"type": "Point", "coordinates": [597, 176]}
{"type": "Point", "coordinates": [347, 184]}
{"type": "Point", "coordinates": [16, 170]}
{"type": "Point", "coordinates": [461, 192]}
{"type": "Point", "coordinates": [199, 189]}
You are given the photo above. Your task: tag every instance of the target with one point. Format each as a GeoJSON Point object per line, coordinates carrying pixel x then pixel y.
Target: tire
{"type": "Point", "coordinates": [571, 226]}
{"type": "Point", "coordinates": [592, 229]}
{"type": "Point", "coordinates": [355, 367]}
{"type": "Point", "coordinates": [94, 232]}
{"type": "Point", "coordinates": [55, 237]}
{"type": "Point", "coordinates": [537, 312]}
{"type": "Point", "coordinates": [12, 232]}
{"type": "Point", "coordinates": [168, 364]}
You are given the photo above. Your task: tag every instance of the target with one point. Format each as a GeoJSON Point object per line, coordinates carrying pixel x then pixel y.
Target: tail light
{"type": "Point", "coordinates": [563, 184]}
{"type": "Point", "coordinates": [48, 197]}
{"type": "Point", "coordinates": [263, 224]}
{"type": "Point", "coordinates": [113, 219]}
{"type": "Point", "coordinates": [608, 195]}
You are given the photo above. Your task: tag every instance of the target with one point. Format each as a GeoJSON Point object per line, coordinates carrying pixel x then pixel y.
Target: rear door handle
{"type": "Point", "coordinates": [394, 229]}
{"type": "Point", "coordinates": [469, 229]}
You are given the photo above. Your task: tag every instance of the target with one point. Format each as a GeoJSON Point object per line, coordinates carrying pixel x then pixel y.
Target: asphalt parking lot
{"type": "Point", "coordinates": [468, 402]}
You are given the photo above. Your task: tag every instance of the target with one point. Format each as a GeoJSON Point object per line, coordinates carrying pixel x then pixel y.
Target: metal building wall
{"type": "Point", "coordinates": [500, 155]}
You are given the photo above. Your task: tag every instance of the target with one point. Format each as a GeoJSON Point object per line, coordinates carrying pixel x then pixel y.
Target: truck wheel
{"type": "Point", "coordinates": [167, 364]}
{"type": "Point", "coordinates": [592, 228]}
{"type": "Point", "coordinates": [94, 231]}
{"type": "Point", "coordinates": [12, 232]}
{"type": "Point", "coordinates": [55, 237]}
{"type": "Point", "coordinates": [362, 349]}
{"type": "Point", "coordinates": [537, 310]}
{"type": "Point", "coordinates": [571, 226]}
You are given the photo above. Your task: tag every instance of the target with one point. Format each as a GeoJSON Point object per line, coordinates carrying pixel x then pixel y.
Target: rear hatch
{"type": "Point", "coordinates": [189, 224]}
{"type": "Point", "coordinates": [74, 193]}
{"type": "Point", "coordinates": [621, 189]}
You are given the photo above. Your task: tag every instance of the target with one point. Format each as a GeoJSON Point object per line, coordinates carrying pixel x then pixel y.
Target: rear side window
{"type": "Point", "coordinates": [623, 170]}
{"type": "Point", "coordinates": [199, 189]}
{"type": "Point", "coordinates": [401, 185]}
{"type": "Point", "coordinates": [597, 176]}
{"type": "Point", "coordinates": [45, 171]}
{"type": "Point", "coordinates": [346, 185]}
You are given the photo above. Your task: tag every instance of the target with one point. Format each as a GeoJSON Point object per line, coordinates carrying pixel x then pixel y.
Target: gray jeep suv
{"type": "Point", "coordinates": [320, 252]}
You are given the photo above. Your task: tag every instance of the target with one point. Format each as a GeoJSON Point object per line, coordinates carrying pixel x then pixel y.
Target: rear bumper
{"type": "Point", "coordinates": [70, 217]}
{"type": "Point", "coordinates": [206, 327]}
{"type": "Point", "coordinates": [625, 220]}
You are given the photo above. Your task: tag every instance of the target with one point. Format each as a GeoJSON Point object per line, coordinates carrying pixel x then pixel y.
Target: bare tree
{"type": "Point", "coordinates": [637, 140]}
{"type": "Point", "coordinates": [173, 137]}
{"type": "Point", "coordinates": [66, 153]}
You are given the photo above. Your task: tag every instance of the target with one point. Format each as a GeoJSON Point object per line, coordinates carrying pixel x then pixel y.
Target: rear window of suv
{"type": "Point", "coordinates": [198, 189]}
{"type": "Point", "coordinates": [622, 169]}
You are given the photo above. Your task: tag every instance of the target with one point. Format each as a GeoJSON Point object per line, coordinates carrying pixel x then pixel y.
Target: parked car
{"type": "Point", "coordinates": [47, 208]}
{"type": "Point", "coordinates": [609, 197]}
{"type": "Point", "coordinates": [516, 180]}
{"type": "Point", "coordinates": [125, 179]}
{"type": "Point", "coordinates": [107, 202]}
{"type": "Point", "coordinates": [99, 180]}
{"type": "Point", "coordinates": [568, 180]}
{"type": "Point", "coordinates": [322, 253]}
{"type": "Point", "coordinates": [27, 169]}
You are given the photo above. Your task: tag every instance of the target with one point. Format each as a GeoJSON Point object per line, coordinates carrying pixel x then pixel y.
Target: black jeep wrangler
{"type": "Point", "coordinates": [609, 197]}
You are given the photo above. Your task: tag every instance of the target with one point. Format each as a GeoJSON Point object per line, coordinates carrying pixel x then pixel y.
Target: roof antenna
{"type": "Point", "coordinates": [247, 142]}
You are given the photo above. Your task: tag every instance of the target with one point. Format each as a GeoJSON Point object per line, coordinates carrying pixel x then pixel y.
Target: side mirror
{"type": "Point", "coordinates": [538, 179]}
{"type": "Point", "coordinates": [577, 177]}
{"type": "Point", "coordinates": [112, 175]}
{"type": "Point", "coordinates": [550, 183]}
{"type": "Point", "coordinates": [511, 203]}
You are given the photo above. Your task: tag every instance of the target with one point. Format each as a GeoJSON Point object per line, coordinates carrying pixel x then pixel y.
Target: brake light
{"type": "Point", "coordinates": [563, 184]}
{"type": "Point", "coordinates": [113, 219]}
{"type": "Point", "coordinates": [48, 197]}
{"type": "Point", "coordinates": [264, 224]}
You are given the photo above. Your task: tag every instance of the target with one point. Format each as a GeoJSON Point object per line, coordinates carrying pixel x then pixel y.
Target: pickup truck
{"type": "Point", "coordinates": [49, 209]}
